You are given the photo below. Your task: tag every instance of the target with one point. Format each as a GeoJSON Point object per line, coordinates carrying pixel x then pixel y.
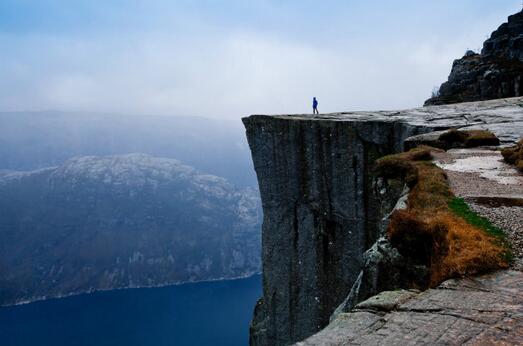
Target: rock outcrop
{"type": "Point", "coordinates": [323, 208]}
{"type": "Point", "coordinates": [495, 73]}
{"type": "Point", "coordinates": [319, 215]}
{"type": "Point", "coordinates": [487, 310]}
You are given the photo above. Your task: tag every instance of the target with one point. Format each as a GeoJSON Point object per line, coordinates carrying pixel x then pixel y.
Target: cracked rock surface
{"type": "Point", "coordinates": [486, 310]}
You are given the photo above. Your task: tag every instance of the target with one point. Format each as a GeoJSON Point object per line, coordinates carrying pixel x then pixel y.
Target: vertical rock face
{"type": "Point", "coordinates": [495, 73]}
{"type": "Point", "coordinates": [507, 41]}
{"type": "Point", "coordinates": [320, 215]}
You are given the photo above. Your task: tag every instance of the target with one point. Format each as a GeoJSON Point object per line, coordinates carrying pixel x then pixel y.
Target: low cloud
{"type": "Point", "coordinates": [221, 73]}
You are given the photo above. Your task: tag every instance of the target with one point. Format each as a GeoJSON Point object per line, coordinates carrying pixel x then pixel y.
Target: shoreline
{"type": "Point", "coordinates": [95, 290]}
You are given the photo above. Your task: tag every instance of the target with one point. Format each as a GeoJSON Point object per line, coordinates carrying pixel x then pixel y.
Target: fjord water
{"type": "Point", "coordinates": [207, 313]}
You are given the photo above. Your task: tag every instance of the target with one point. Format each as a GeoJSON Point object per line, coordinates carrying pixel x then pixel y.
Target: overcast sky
{"type": "Point", "coordinates": [234, 58]}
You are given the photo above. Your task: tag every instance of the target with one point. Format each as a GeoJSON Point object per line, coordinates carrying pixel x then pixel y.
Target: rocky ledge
{"type": "Point", "coordinates": [486, 310]}
{"type": "Point", "coordinates": [325, 213]}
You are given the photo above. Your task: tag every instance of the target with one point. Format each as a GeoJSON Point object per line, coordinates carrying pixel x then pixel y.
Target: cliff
{"type": "Point", "coordinates": [495, 73]}
{"type": "Point", "coordinates": [323, 209]}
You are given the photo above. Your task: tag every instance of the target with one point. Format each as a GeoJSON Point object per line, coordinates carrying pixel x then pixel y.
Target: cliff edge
{"type": "Point", "coordinates": [323, 208]}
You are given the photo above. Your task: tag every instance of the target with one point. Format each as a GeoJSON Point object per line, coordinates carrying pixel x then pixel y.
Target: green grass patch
{"type": "Point", "coordinates": [460, 208]}
{"type": "Point", "coordinates": [438, 230]}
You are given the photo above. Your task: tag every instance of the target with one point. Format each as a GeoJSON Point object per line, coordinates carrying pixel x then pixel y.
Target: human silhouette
{"type": "Point", "coordinates": [315, 106]}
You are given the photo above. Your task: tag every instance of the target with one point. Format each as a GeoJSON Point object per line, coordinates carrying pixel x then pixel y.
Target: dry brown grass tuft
{"type": "Point", "coordinates": [514, 155]}
{"type": "Point", "coordinates": [470, 250]}
{"type": "Point", "coordinates": [425, 242]}
{"type": "Point", "coordinates": [421, 153]}
{"type": "Point", "coordinates": [478, 138]}
{"type": "Point", "coordinates": [453, 136]}
{"type": "Point", "coordinates": [468, 138]}
{"type": "Point", "coordinates": [401, 166]}
{"type": "Point", "coordinates": [432, 190]}
{"type": "Point", "coordinates": [428, 232]}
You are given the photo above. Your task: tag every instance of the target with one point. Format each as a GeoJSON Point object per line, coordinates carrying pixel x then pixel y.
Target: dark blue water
{"type": "Point", "coordinates": [210, 313]}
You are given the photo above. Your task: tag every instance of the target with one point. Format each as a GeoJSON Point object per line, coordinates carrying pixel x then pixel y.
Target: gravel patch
{"type": "Point", "coordinates": [492, 188]}
{"type": "Point", "coordinates": [510, 220]}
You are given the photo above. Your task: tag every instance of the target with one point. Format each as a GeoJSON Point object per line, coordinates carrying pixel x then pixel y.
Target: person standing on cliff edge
{"type": "Point", "coordinates": [315, 106]}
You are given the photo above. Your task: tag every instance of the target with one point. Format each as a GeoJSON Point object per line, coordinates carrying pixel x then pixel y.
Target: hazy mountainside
{"type": "Point", "coordinates": [495, 73]}
{"type": "Point", "coordinates": [32, 140]}
{"type": "Point", "coordinates": [119, 221]}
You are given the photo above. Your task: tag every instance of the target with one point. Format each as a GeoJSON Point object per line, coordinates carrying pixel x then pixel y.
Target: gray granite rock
{"type": "Point", "coordinates": [387, 300]}
{"type": "Point", "coordinates": [383, 269]}
{"type": "Point", "coordinates": [320, 215]}
{"type": "Point", "coordinates": [495, 73]}
{"type": "Point", "coordinates": [486, 310]}
{"type": "Point", "coordinates": [323, 208]}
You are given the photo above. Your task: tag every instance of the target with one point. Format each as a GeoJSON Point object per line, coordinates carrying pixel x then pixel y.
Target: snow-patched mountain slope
{"type": "Point", "coordinates": [122, 221]}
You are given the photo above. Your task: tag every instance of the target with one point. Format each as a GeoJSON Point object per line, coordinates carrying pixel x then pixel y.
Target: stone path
{"type": "Point", "coordinates": [487, 310]}
{"type": "Point", "coordinates": [491, 187]}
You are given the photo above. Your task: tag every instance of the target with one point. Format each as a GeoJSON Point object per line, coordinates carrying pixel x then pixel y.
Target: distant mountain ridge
{"type": "Point", "coordinates": [121, 221]}
{"type": "Point", "coordinates": [33, 140]}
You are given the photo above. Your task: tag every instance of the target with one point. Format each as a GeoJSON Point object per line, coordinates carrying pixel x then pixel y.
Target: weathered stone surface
{"type": "Point", "coordinates": [508, 133]}
{"type": "Point", "coordinates": [384, 269]}
{"type": "Point", "coordinates": [483, 311]}
{"type": "Point", "coordinates": [495, 73]}
{"type": "Point", "coordinates": [387, 300]}
{"type": "Point", "coordinates": [322, 207]}
{"type": "Point", "coordinates": [507, 40]}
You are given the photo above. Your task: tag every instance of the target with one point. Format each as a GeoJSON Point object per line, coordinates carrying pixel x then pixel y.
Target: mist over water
{"type": "Point", "coordinates": [34, 140]}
